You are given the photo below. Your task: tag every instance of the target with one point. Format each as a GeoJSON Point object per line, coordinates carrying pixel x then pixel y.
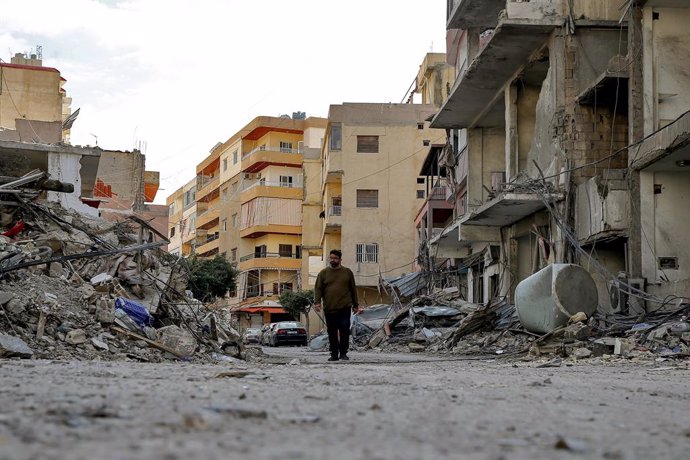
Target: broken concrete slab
{"type": "Point", "coordinates": [177, 339]}
{"type": "Point", "coordinates": [11, 347]}
{"type": "Point", "coordinates": [5, 297]}
{"type": "Point", "coordinates": [76, 337]}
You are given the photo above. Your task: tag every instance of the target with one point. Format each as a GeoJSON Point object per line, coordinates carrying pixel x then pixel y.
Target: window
{"type": "Point", "coordinates": [171, 209]}
{"type": "Point", "coordinates": [225, 164]}
{"type": "Point", "coordinates": [420, 193]}
{"type": "Point", "coordinates": [285, 250]}
{"type": "Point", "coordinates": [286, 181]}
{"type": "Point", "coordinates": [336, 137]}
{"type": "Point", "coordinates": [300, 147]}
{"type": "Point", "coordinates": [367, 198]}
{"type": "Point", "coordinates": [298, 251]}
{"type": "Point", "coordinates": [367, 253]}
{"type": "Point", "coordinates": [233, 254]}
{"type": "Point", "coordinates": [189, 197]}
{"type": "Point", "coordinates": [225, 225]}
{"type": "Point", "coordinates": [281, 287]}
{"type": "Point", "coordinates": [420, 125]}
{"type": "Point", "coordinates": [234, 157]}
{"type": "Point", "coordinates": [420, 180]}
{"type": "Point", "coordinates": [224, 196]}
{"type": "Point", "coordinates": [286, 147]}
{"type": "Point", "coordinates": [234, 220]}
{"type": "Point", "coordinates": [367, 144]}
{"type": "Point", "coordinates": [233, 188]}
{"type": "Point", "coordinates": [172, 232]}
{"type": "Point", "coordinates": [260, 251]}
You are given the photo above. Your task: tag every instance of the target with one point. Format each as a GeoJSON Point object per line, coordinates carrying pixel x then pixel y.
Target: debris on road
{"type": "Point", "coordinates": [75, 287]}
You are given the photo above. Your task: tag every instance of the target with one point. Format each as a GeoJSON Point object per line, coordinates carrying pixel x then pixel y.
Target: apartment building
{"type": "Point", "coordinates": [208, 205]}
{"type": "Point", "coordinates": [182, 220]}
{"type": "Point", "coordinates": [370, 190]}
{"type": "Point", "coordinates": [34, 105]}
{"type": "Point", "coordinates": [548, 110]}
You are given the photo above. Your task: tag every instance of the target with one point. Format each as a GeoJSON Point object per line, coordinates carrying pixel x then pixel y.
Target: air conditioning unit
{"type": "Point", "coordinates": [621, 299]}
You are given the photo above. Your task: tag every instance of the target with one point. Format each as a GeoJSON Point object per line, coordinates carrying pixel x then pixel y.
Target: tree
{"type": "Point", "coordinates": [211, 278]}
{"type": "Point", "coordinates": [296, 302]}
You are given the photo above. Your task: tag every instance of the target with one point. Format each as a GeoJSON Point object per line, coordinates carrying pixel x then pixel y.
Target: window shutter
{"type": "Point", "coordinates": [367, 198]}
{"type": "Point", "coordinates": [368, 144]}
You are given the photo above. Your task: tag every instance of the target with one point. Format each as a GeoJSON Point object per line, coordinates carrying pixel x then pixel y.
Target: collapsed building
{"type": "Point", "coordinates": [567, 143]}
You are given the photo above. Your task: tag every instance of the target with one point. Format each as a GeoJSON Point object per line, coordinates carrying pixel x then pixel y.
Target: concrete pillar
{"type": "Point", "coordinates": [511, 132]}
{"type": "Point", "coordinates": [636, 125]}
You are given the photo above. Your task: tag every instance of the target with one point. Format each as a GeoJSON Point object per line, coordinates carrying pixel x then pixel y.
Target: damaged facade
{"type": "Point", "coordinates": [564, 145]}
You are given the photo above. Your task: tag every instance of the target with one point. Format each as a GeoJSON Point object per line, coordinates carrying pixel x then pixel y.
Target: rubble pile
{"type": "Point", "coordinates": [443, 323]}
{"type": "Point", "coordinates": [73, 287]}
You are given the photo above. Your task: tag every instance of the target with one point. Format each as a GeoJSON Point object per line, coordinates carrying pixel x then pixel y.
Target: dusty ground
{"type": "Point", "coordinates": [374, 407]}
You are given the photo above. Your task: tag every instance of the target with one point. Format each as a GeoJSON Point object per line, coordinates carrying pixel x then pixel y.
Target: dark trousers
{"type": "Point", "coordinates": [338, 327]}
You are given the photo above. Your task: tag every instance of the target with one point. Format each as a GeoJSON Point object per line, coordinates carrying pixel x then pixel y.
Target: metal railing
{"type": "Point", "coordinates": [208, 239]}
{"type": "Point", "coordinates": [266, 255]}
{"type": "Point", "coordinates": [272, 184]}
{"type": "Point", "coordinates": [266, 148]}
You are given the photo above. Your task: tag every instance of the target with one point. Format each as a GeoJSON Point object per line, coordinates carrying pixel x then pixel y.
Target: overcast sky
{"type": "Point", "coordinates": [181, 75]}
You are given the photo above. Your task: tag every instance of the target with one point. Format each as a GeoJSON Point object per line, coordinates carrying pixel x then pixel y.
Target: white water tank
{"type": "Point", "coordinates": [548, 298]}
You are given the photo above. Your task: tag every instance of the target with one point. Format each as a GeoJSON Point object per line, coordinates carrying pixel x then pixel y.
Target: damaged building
{"type": "Point", "coordinates": [567, 142]}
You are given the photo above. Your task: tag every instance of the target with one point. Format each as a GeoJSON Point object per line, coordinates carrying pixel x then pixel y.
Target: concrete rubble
{"type": "Point", "coordinates": [74, 287]}
{"type": "Point", "coordinates": [443, 323]}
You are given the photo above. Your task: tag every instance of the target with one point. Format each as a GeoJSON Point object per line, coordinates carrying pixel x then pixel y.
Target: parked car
{"type": "Point", "coordinates": [288, 332]}
{"type": "Point", "coordinates": [265, 335]}
{"type": "Point", "coordinates": [251, 335]}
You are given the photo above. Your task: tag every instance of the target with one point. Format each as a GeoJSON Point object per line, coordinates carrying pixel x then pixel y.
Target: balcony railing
{"type": "Point", "coordinates": [210, 238]}
{"type": "Point", "coordinates": [265, 148]}
{"type": "Point", "coordinates": [272, 184]}
{"type": "Point", "coordinates": [266, 255]}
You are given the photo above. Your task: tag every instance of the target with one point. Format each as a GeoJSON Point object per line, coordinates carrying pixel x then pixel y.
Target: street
{"type": "Point", "coordinates": [377, 406]}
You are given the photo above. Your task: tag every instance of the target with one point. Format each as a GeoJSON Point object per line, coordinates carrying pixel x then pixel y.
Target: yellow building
{"type": "Point", "coordinates": [182, 220]}
{"type": "Point", "coordinates": [33, 101]}
{"type": "Point", "coordinates": [208, 205]}
{"type": "Point", "coordinates": [370, 191]}
{"type": "Point", "coordinates": [260, 215]}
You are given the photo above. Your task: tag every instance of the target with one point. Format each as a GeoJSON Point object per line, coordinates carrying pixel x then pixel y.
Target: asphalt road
{"type": "Point", "coordinates": [377, 406]}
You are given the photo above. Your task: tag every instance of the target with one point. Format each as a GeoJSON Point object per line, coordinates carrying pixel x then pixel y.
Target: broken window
{"type": "Point", "coordinates": [367, 198]}
{"type": "Point", "coordinates": [367, 144]}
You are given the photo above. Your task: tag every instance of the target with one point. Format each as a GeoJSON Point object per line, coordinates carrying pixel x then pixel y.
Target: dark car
{"type": "Point", "coordinates": [288, 332]}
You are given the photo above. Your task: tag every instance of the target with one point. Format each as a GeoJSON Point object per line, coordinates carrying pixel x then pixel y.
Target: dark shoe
{"type": "Point", "coordinates": [334, 358]}
{"type": "Point", "coordinates": [344, 357]}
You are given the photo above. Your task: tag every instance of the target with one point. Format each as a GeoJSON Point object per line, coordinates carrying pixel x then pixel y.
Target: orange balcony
{"type": "Point", "coordinates": [270, 260]}
{"type": "Point", "coordinates": [261, 157]}
{"type": "Point", "coordinates": [208, 219]}
{"type": "Point", "coordinates": [271, 190]}
{"type": "Point", "coordinates": [256, 231]}
{"type": "Point", "coordinates": [209, 247]}
{"type": "Point", "coordinates": [207, 187]}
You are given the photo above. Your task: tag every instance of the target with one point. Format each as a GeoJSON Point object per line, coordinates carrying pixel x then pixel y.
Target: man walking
{"type": "Point", "coordinates": [335, 287]}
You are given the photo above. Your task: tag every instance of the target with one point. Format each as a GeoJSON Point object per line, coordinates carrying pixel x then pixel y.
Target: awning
{"type": "Point", "coordinates": [409, 284]}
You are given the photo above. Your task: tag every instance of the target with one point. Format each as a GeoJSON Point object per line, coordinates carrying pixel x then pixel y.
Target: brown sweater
{"type": "Point", "coordinates": [336, 286]}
